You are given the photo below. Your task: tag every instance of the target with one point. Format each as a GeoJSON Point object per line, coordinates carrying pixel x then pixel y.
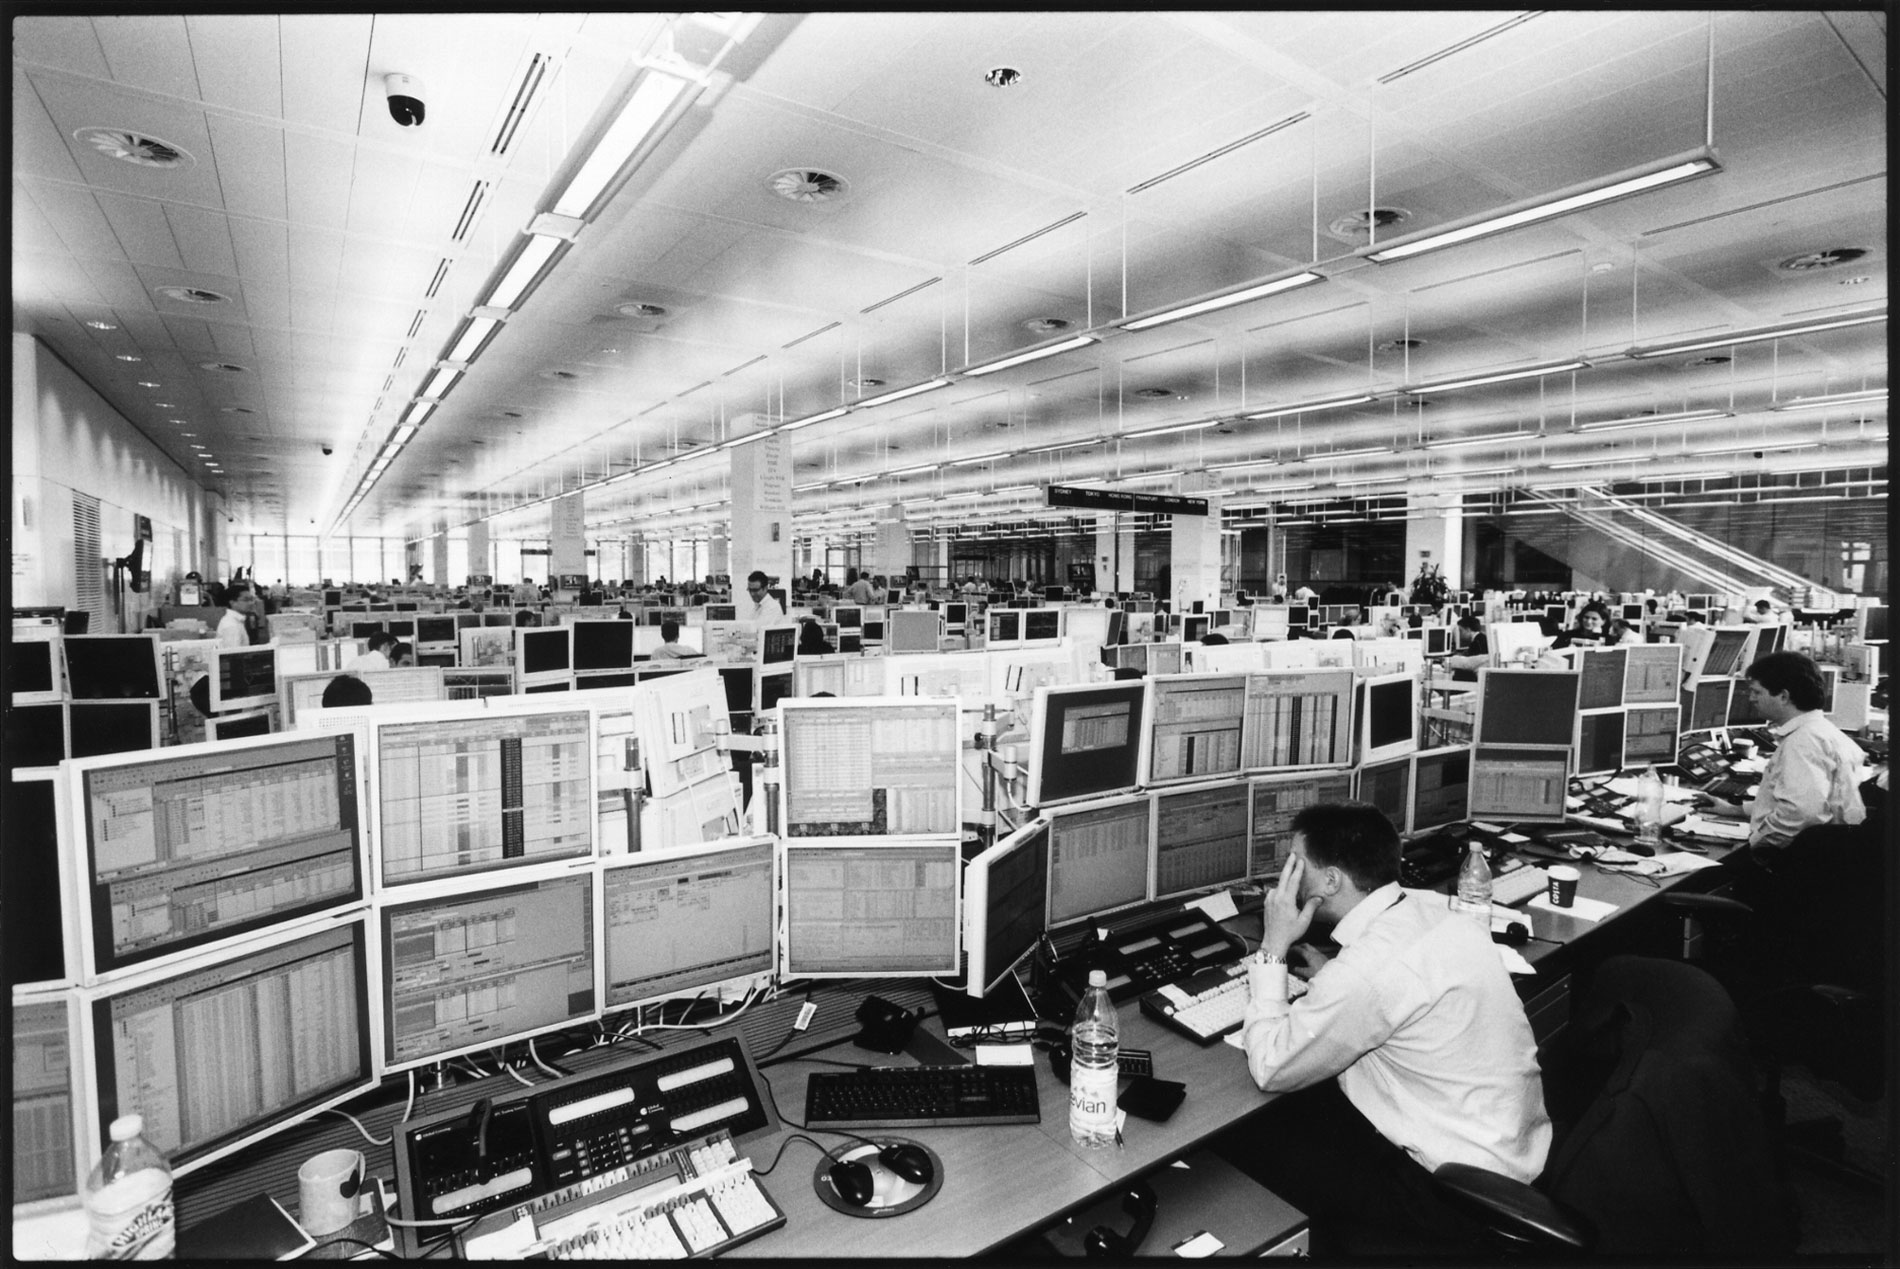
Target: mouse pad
{"type": "Point", "coordinates": [893, 1195]}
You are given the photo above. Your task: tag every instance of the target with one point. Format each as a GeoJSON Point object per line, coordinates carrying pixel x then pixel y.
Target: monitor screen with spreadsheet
{"type": "Point", "coordinates": [848, 617]}
{"type": "Point", "coordinates": [1005, 899]}
{"type": "Point", "coordinates": [1708, 706]}
{"type": "Point", "coordinates": [113, 667]}
{"type": "Point", "coordinates": [1650, 733]}
{"type": "Point", "coordinates": [49, 1120]}
{"type": "Point", "coordinates": [1604, 672]}
{"type": "Point", "coordinates": [1042, 623]}
{"type": "Point", "coordinates": [1388, 786]}
{"type": "Point", "coordinates": [1297, 719]}
{"type": "Point", "coordinates": [1725, 646]}
{"type": "Point", "coordinates": [1526, 707]}
{"type": "Point", "coordinates": [1200, 838]}
{"type": "Point", "coordinates": [1194, 725]}
{"type": "Point", "coordinates": [508, 787]}
{"type": "Point", "coordinates": [1519, 784]}
{"type": "Point", "coordinates": [1441, 787]}
{"type": "Point", "coordinates": [885, 910]}
{"type": "Point", "coordinates": [1085, 741]}
{"type": "Point", "coordinates": [687, 923]}
{"type": "Point", "coordinates": [1006, 626]}
{"type": "Point", "coordinates": [1098, 857]}
{"type": "Point", "coordinates": [473, 968]}
{"type": "Point", "coordinates": [878, 767]}
{"type": "Point", "coordinates": [1276, 800]}
{"type": "Point", "coordinates": [1600, 742]}
{"type": "Point", "coordinates": [190, 845]}
{"type": "Point", "coordinates": [227, 1048]}
{"type": "Point", "coordinates": [243, 678]}
{"type": "Point", "coordinates": [1870, 623]}
{"type": "Point", "coordinates": [1652, 673]}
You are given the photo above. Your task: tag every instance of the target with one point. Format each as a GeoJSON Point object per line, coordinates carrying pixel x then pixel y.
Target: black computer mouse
{"type": "Point", "coordinates": [853, 1182]}
{"type": "Point", "coordinates": [907, 1161]}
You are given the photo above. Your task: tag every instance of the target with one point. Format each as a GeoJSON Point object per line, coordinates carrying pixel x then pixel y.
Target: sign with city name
{"type": "Point", "coordinates": [1085, 499]}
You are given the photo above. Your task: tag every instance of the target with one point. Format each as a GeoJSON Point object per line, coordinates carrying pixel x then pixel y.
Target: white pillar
{"type": "Point", "coordinates": [480, 562]}
{"type": "Point", "coordinates": [761, 506]}
{"type": "Point", "coordinates": [892, 554]}
{"type": "Point", "coordinates": [439, 558]}
{"type": "Point", "coordinates": [1194, 562]}
{"type": "Point", "coordinates": [567, 535]}
{"type": "Point", "coordinates": [1435, 534]}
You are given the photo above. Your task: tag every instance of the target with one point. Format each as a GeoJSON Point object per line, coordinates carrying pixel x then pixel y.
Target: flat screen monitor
{"type": "Point", "coordinates": [195, 844]}
{"type": "Point", "coordinates": [474, 968]}
{"type": "Point", "coordinates": [332, 599]}
{"type": "Point", "coordinates": [1633, 613]}
{"type": "Point", "coordinates": [1086, 625]}
{"type": "Point", "coordinates": [50, 1122]}
{"type": "Point", "coordinates": [403, 628]}
{"type": "Point", "coordinates": [42, 924]}
{"type": "Point", "coordinates": [544, 650]}
{"type": "Point", "coordinates": [885, 768]}
{"type": "Point", "coordinates": [771, 687]}
{"type": "Point", "coordinates": [1652, 673]}
{"type": "Point", "coordinates": [873, 630]}
{"type": "Point", "coordinates": [114, 667]}
{"type": "Point", "coordinates": [1725, 647]}
{"type": "Point", "coordinates": [1700, 603]}
{"type": "Point", "coordinates": [364, 629]}
{"type": "Point", "coordinates": [1098, 858]}
{"type": "Point", "coordinates": [1389, 717]}
{"type": "Point", "coordinates": [1387, 786]}
{"type": "Point", "coordinates": [1042, 624]}
{"type": "Point", "coordinates": [507, 787]}
{"type": "Point", "coordinates": [1604, 672]}
{"type": "Point", "coordinates": [407, 605]}
{"type": "Point", "coordinates": [914, 631]}
{"type": "Point", "coordinates": [956, 614]}
{"type": "Point", "coordinates": [1194, 627]}
{"type": "Point", "coordinates": [1441, 787]}
{"type": "Point", "coordinates": [1165, 658]}
{"type": "Point", "coordinates": [1276, 800]}
{"type": "Point", "coordinates": [1005, 897]}
{"type": "Point", "coordinates": [721, 612]}
{"type": "Point", "coordinates": [35, 737]}
{"type": "Point", "coordinates": [851, 641]}
{"type": "Point", "coordinates": [243, 678]}
{"type": "Point", "coordinates": [250, 722]}
{"type": "Point", "coordinates": [1085, 741]}
{"type": "Point", "coordinates": [1006, 626]}
{"type": "Point", "coordinates": [1741, 708]}
{"type": "Point", "coordinates": [1527, 707]}
{"type": "Point", "coordinates": [438, 629]}
{"type": "Point", "coordinates": [33, 671]}
{"type": "Point", "coordinates": [1556, 614]}
{"type": "Point", "coordinates": [97, 728]}
{"type": "Point", "coordinates": [1650, 734]}
{"type": "Point", "coordinates": [885, 911]}
{"type": "Point", "coordinates": [738, 685]}
{"type": "Point", "coordinates": [778, 645]}
{"type": "Point", "coordinates": [1519, 785]}
{"type": "Point", "coordinates": [848, 617]}
{"type": "Point", "coordinates": [1870, 623]}
{"type": "Point", "coordinates": [228, 1048]}
{"type": "Point", "coordinates": [1708, 704]}
{"type": "Point", "coordinates": [603, 645]}
{"type": "Point", "coordinates": [1201, 838]}
{"type": "Point", "coordinates": [687, 923]}
{"type": "Point", "coordinates": [1437, 641]}
{"type": "Point", "coordinates": [1298, 718]}
{"type": "Point", "coordinates": [1600, 742]}
{"type": "Point", "coordinates": [497, 619]}
{"type": "Point", "coordinates": [1195, 725]}
{"type": "Point", "coordinates": [1298, 616]}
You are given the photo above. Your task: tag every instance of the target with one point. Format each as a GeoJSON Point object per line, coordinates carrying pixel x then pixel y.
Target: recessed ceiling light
{"type": "Point", "coordinates": [99, 325]}
{"type": "Point", "coordinates": [147, 383]}
{"type": "Point", "coordinates": [1003, 77]}
{"type": "Point", "coordinates": [637, 309]}
{"type": "Point", "coordinates": [222, 367]}
{"type": "Point", "coordinates": [193, 295]}
{"type": "Point", "coordinates": [127, 357]}
{"type": "Point", "coordinates": [1832, 257]}
{"type": "Point", "coordinates": [865, 382]}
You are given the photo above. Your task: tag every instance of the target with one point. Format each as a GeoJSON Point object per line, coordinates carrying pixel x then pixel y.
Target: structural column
{"type": "Point", "coordinates": [567, 536]}
{"type": "Point", "coordinates": [1435, 535]}
{"type": "Point", "coordinates": [439, 558]}
{"type": "Point", "coordinates": [480, 564]}
{"type": "Point", "coordinates": [761, 506]}
{"type": "Point", "coordinates": [1114, 559]}
{"type": "Point", "coordinates": [1194, 562]}
{"type": "Point", "coordinates": [892, 555]}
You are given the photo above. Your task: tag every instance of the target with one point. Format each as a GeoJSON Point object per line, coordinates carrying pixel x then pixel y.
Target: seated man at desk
{"type": "Point", "coordinates": [670, 648]}
{"type": "Point", "coordinates": [1411, 1049]}
{"type": "Point", "coordinates": [1472, 650]}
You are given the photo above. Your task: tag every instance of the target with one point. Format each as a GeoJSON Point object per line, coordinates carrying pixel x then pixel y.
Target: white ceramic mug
{"type": "Point", "coordinates": [327, 1186]}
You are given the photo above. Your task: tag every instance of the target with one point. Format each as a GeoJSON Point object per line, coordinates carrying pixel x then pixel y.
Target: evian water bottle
{"type": "Point", "coordinates": [129, 1198]}
{"type": "Point", "coordinates": [1094, 1045]}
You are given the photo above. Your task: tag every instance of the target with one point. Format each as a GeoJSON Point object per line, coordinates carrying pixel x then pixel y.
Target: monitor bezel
{"type": "Point", "coordinates": [1369, 755]}
{"type": "Point", "coordinates": [80, 1118]}
{"type": "Point", "coordinates": [981, 978]}
{"type": "Point", "coordinates": [214, 727]}
{"type": "Point", "coordinates": [1243, 787]}
{"type": "Point", "coordinates": [153, 646]}
{"type": "Point", "coordinates": [1407, 763]}
{"type": "Point", "coordinates": [1412, 827]}
{"type": "Point", "coordinates": [1055, 816]}
{"type": "Point", "coordinates": [549, 634]}
{"type": "Point", "coordinates": [1577, 766]}
{"type": "Point", "coordinates": [689, 856]}
{"type": "Point", "coordinates": [1157, 685]}
{"type": "Point", "coordinates": [255, 700]}
{"type": "Point", "coordinates": [1485, 674]}
{"type": "Point", "coordinates": [787, 847]}
{"type": "Point", "coordinates": [1559, 753]}
{"type": "Point", "coordinates": [622, 632]}
{"type": "Point", "coordinates": [151, 729]}
{"type": "Point", "coordinates": [792, 708]}
{"type": "Point", "coordinates": [56, 667]}
{"type": "Point", "coordinates": [1037, 776]}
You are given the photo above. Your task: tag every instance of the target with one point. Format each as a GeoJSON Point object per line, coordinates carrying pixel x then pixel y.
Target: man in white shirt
{"type": "Point", "coordinates": [670, 648]}
{"type": "Point", "coordinates": [759, 607]}
{"type": "Point", "coordinates": [859, 591]}
{"type": "Point", "coordinates": [1411, 1045]}
{"type": "Point", "coordinates": [1813, 777]}
{"type": "Point", "coordinates": [240, 603]}
{"type": "Point", "coordinates": [377, 655]}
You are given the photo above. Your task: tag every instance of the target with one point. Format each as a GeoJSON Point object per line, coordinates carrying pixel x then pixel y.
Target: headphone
{"type": "Point", "coordinates": [1103, 1243]}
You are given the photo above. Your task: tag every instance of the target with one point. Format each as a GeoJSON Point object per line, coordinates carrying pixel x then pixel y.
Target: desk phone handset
{"type": "Point", "coordinates": [1138, 1202]}
{"type": "Point", "coordinates": [1702, 762]}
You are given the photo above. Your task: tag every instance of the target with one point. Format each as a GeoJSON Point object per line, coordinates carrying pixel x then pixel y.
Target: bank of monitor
{"type": "Point", "coordinates": [97, 728]}
{"type": "Point", "coordinates": [1706, 704]}
{"type": "Point", "coordinates": [1201, 837]}
{"type": "Point", "coordinates": [887, 768]}
{"type": "Point", "coordinates": [1388, 716]}
{"type": "Point", "coordinates": [1298, 718]}
{"type": "Point", "coordinates": [1387, 785]}
{"type": "Point", "coordinates": [1085, 741]}
{"type": "Point", "coordinates": [114, 667]}
{"type": "Point", "coordinates": [603, 645]}
{"type": "Point", "coordinates": [1526, 707]}
{"type": "Point", "coordinates": [1600, 741]}
{"type": "Point", "coordinates": [543, 655]}
{"type": "Point", "coordinates": [1099, 856]}
{"type": "Point", "coordinates": [503, 787]}
{"type": "Point", "coordinates": [33, 670]}
{"type": "Point", "coordinates": [1194, 725]}
{"type": "Point", "coordinates": [1650, 734]}
{"type": "Point", "coordinates": [469, 967]}
{"type": "Point", "coordinates": [913, 631]}
{"type": "Point", "coordinates": [1652, 673]}
{"type": "Point", "coordinates": [187, 846]}
{"type": "Point", "coordinates": [1276, 800]}
{"type": "Point", "coordinates": [50, 1120]}
{"type": "Point", "coordinates": [1005, 900]}
{"type": "Point", "coordinates": [883, 909]}
{"type": "Point", "coordinates": [1441, 788]}
{"type": "Point", "coordinates": [243, 678]}
{"type": "Point", "coordinates": [228, 1047]}
{"type": "Point", "coordinates": [1519, 784]}
{"type": "Point", "coordinates": [688, 922]}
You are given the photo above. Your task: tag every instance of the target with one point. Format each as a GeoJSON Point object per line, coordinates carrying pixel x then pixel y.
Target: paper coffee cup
{"type": "Point", "coordinates": [1743, 748]}
{"type": "Point", "coordinates": [327, 1185]}
{"type": "Point", "coordinates": [1563, 885]}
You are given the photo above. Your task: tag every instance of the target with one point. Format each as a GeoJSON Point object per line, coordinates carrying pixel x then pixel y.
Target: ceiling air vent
{"type": "Point", "coordinates": [1822, 259]}
{"type": "Point", "coordinates": [193, 295]}
{"type": "Point", "coordinates": [222, 367]}
{"type": "Point", "coordinates": [561, 374]}
{"type": "Point", "coordinates": [1154, 394]}
{"type": "Point", "coordinates": [1361, 224]}
{"type": "Point", "coordinates": [1047, 325]}
{"type": "Point", "coordinates": [865, 382]}
{"type": "Point", "coordinates": [1401, 345]}
{"type": "Point", "coordinates": [807, 185]}
{"type": "Point", "coordinates": [134, 147]}
{"type": "Point", "coordinates": [640, 310]}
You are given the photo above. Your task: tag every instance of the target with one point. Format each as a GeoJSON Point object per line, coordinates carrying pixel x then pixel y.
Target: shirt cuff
{"type": "Point", "coordinates": [1266, 984]}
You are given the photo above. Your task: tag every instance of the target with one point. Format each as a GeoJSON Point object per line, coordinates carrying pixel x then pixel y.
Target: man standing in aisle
{"type": "Point", "coordinates": [761, 607]}
{"type": "Point", "coordinates": [1411, 1048]}
{"type": "Point", "coordinates": [1813, 777]}
{"type": "Point", "coordinates": [859, 591]}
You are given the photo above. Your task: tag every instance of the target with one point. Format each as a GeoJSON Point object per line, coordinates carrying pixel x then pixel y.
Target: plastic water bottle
{"type": "Point", "coordinates": [129, 1198]}
{"type": "Point", "coordinates": [1094, 1045]}
{"type": "Point", "coordinates": [1649, 807]}
{"type": "Point", "coordinates": [1473, 899]}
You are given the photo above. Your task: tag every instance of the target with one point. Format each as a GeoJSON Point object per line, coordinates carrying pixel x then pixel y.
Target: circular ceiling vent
{"type": "Point", "coordinates": [1401, 345]}
{"type": "Point", "coordinates": [222, 367]}
{"type": "Point", "coordinates": [1822, 259]}
{"type": "Point", "coordinates": [640, 310]}
{"type": "Point", "coordinates": [134, 147]}
{"type": "Point", "coordinates": [193, 295]}
{"type": "Point", "coordinates": [1361, 224]}
{"type": "Point", "coordinates": [807, 185]}
{"type": "Point", "coordinates": [1154, 394]}
{"type": "Point", "coordinates": [866, 382]}
{"type": "Point", "coordinates": [1047, 325]}
{"type": "Point", "coordinates": [1003, 77]}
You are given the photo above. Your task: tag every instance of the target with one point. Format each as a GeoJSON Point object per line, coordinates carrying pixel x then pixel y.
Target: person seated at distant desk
{"type": "Point", "coordinates": [376, 657]}
{"type": "Point", "coordinates": [1409, 1049]}
{"type": "Point", "coordinates": [760, 606]}
{"type": "Point", "coordinates": [1760, 613]}
{"type": "Point", "coordinates": [1471, 650]}
{"type": "Point", "coordinates": [1589, 632]}
{"type": "Point", "coordinates": [525, 594]}
{"type": "Point", "coordinates": [401, 655]}
{"type": "Point", "coordinates": [811, 639]}
{"type": "Point", "coordinates": [670, 649]}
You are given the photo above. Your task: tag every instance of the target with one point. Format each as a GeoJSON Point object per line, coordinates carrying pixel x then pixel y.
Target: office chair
{"type": "Point", "coordinates": [1660, 1149]}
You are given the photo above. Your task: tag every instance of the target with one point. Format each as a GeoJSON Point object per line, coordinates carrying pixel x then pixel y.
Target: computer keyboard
{"type": "Point", "coordinates": [1514, 887]}
{"type": "Point", "coordinates": [922, 1097]}
{"type": "Point", "coordinates": [701, 1218]}
{"type": "Point", "coordinates": [1207, 1004]}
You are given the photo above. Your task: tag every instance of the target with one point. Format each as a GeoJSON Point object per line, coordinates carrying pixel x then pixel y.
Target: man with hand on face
{"type": "Point", "coordinates": [1411, 1048]}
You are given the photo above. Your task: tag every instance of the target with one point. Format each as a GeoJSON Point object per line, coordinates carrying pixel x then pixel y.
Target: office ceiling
{"type": "Point", "coordinates": [218, 225]}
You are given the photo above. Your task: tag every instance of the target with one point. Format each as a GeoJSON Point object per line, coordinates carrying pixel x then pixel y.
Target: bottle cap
{"type": "Point", "coordinates": [1098, 978]}
{"type": "Point", "coordinates": [126, 1127]}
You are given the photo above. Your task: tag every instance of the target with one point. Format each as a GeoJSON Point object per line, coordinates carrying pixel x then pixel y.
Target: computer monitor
{"type": "Point", "coordinates": [1604, 671]}
{"type": "Point", "coordinates": [1387, 786]}
{"type": "Point", "coordinates": [771, 687]}
{"type": "Point", "coordinates": [1194, 627]}
{"type": "Point", "coordinates": [97, 728]}
{"type": "Point", "coordinates": [1519, 784]}
{"type": "Point", "coordinates": [888, 768]}
{"type": "Point", "coordinates": [1276, 800]}
{"type": "Point", "coordinates": [1099, 855]}
{"type": "Point", "coordinates": [250, 722]}
{"type": "Point", "coordinates": [1706, 704]}
{"type": "Point", "coordinates": [1299, 617]}
{"type": "Point", "coordinates": [914, 631]}
{"type": "Point", "coordinates": [851, 640]}
{"type": "Point", "coordinates": [439, 629]}
{"type": "Point", "coordinates": [35, 738]}
{"type": "Point", "coordinates": [243, 678]}
{"type": "Point", "coordinates": [1527, 707]}
{"type": "Point", "coordinates": [332, 599]}
{"type": "Point", "coordinates": [403, 628]}
{"type": "Point", "coordinates": [1085, 741]}
{"type": "Point", "coordinates": [1438, 641]}
{"type": "Point", "coordinates": [1006, 627]}
{"type": "Point", "coordinates": [873, 630]}
{"type": "Point", "coordinates": [542, 651]}
{"type": "Point", "coordinates": [1086, 625]}
{"type": "Point", "coordinates": [687, 923]}
{"type": "Point", "coordinates": [1441, 788]}
{"type": "Point", "coordinates": [1388, 716]}
{"type": "Point", "coordinates": [1201, 838]}
{"type": "Point", "coordinates": [41, 938]}
{"type": "Point", "coordinates": [886, 910]}
{"type": "Point", "coordinates": [848, 617]}
{"type": "Point", "coordinates": [1650, 734]}
{"type": "Point", "coordinates": [33, 670]}
{"type": "Point", "coordinates": [737, 680]}
{"type": "Point", "coordinates": [1724, 651]}
{"type": "Point", "coordinates": [721, 612]}
{"type": "Point", "coordinates": [1652, 673]}
{"type": "Point", "coordinates": [471, 968]}
{"type": "Point", "coordinates": [1005, 898]}
{"type": "Point", "coordinates": [1195, 723]}
{"type": "Point", "coordinates": [778, 645]}
{"type": "Point", "coordinates": [956, 615]}
{"type": "Point", "coordinates": [407, 605]}
{"type": "Point", "coordinates": [603, 645]}
{"type": "Point", "coordinates": [1042, 625]}
{"type": "Point", "coordinates": [1600, 742]}
{"type": "Point", "coordinates": [114, 667]}
{"type": "Point", "coordinates": [503, 787]}
{"type": "Point", "coordinates": [51, 1120]}
{"type": "Point", "coordinates": [364, 629]}
{"type": "Point", "coordinates": [1556, 614]}
{"type": "Point", "coordinates": [1870, 623]}
{"type": "Point", "coordinates": [195, 844]}
{"type": "Point", "coordinates": [1166, 658]}
{"type": "Point", "coordinates": [1298, 718]}
{"type": "Point", "coordinates": [497, 619]}
{"type": "Point", "coordinates": [1634, 613]}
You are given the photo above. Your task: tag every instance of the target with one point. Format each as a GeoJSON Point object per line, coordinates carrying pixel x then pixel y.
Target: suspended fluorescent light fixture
{"type": "Point", "coordinates": [1757, 335]}
{"type": "Point", "coordinates": [810, 419]}
{"type": "Point", "coordinates": [1534, 372]}
{"type": "Point", "coordinates": [1370, 480]}
{"type": "Point", "coordinates": [1693, 475]}
{"type": "Point", "coordinates": [735, 442]}
{"type": "Point", "coordinates": [534, 256]}
{"type": "Point", "coordinates": [975, 459]}
{"type": "Point", "coordinates": [1250, 463]}
{"type": "Point", "coordinates": [913, 471]}
{"type": "Point", "coordinates": [1480, 471]}
{"type": "Point", "coordinates": [1465, 441]}
{"type": "Point", "coordinates": [402, 434]}
{"type": "Point", "coordinates": [1699, 162]}
{"type": "Point", "coordinates": [1242, 296]}
{"type": "Point", "coordinates": [929, 385]}
{"type": "Point", "coordinates": [1646, 420]}
{"type": "Point", "coordinates": [1583, 462]}
{"type": "Point", "coordinates": [1765, 447]}
{"type": "Point", "coordinates": [1308, 407]}
{"type": "Point", "coordinates": [1834, 399]}
{"type": "Point", "coordinates": [418, 412]}
{"type": "Point", "coordinates": [440, 382]}
{"type": "Point", "coordinates": [651, 98]}
{"type": "Point", "coordinates": [1167, 429]}
{"type": "Point", "coordinates": [473, 336]}
{"type": "Point", "coordinates": [1343, 453]}
{"type": "Point", "coordinates": [1054, 449]}
{"type": "Point", "coordinates": [1034, 354]}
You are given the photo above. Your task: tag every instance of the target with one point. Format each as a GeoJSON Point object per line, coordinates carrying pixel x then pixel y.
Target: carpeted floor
{"type": "Point", "coordinates": [1838, 1218]}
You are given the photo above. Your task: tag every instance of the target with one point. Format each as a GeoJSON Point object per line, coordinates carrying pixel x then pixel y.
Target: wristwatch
{"type": "Point", "coordinates": [1271, 958]}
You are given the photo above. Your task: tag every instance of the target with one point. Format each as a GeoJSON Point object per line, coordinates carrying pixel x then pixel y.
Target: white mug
{"type": "Point", "coordinates": [327, 1186]}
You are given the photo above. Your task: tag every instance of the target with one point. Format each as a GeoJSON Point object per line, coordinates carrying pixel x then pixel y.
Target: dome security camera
{"type": "Point", "coordinates": [405, 99]}
{"type": "Point", "coordinates": [327, 451]}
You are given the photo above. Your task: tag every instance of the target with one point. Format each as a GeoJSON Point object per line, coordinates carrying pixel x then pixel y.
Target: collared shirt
{"type": "Point", "coordinates": [232, 630]}
{"type": "Point", "coordinates": [1418, 1019]}
{"type": "Point", "coordinates": [367, 661]}
{"type": "Point", "coordinates": [673, 652]}
{"type": "Point", "coordinates": [1813, 777]}
{"type": "Point", "coordinates": [859, 591]}
{"type": "Point", "coordinates": [766, 611]}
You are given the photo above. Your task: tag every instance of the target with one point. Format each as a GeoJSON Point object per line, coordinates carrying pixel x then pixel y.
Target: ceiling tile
{"type": "Point", "coordinates": [149, 51]}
